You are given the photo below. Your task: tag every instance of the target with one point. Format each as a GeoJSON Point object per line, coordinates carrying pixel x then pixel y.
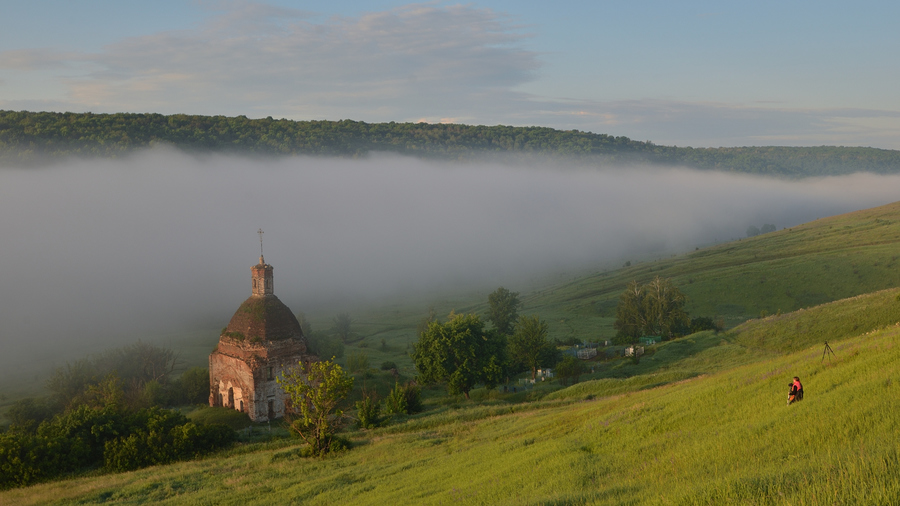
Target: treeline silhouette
{"type": "Point", "coordinates": [28, 138]}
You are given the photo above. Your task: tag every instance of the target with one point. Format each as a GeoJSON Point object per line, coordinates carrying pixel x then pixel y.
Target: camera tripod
{"type": "Point", "coordinates": [827, 350]}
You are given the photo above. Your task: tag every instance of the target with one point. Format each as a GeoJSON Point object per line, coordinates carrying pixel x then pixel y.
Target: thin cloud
{"type": "Point", "coordinates": [261, 60]}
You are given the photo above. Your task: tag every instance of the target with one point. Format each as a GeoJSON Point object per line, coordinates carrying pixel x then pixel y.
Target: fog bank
{"type": "Point", "coordinates": [105, 250]}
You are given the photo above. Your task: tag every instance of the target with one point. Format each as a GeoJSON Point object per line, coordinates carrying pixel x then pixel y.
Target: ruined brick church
{"type": "Point", "coordinates": [262, 339]}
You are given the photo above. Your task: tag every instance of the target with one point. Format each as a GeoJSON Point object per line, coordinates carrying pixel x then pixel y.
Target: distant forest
{"type": "Point", "coordinates": [30, 138]}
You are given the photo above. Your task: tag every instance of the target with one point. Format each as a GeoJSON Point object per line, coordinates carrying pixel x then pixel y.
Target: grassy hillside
{"type": "Point", "coordinates": [706, 424]}
{"type": "Point", "coordinates": [825, 260]}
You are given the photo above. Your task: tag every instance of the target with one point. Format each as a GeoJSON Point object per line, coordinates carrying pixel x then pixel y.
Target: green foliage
{"type": "Point", "coordinates": [529, 347]}
{"type": "Point", "coordinates": [569, 369]}
{"type": "Point", "coordinates": [232, 418]}
{"type": "Point", "coordinates": [316, 390]}
{"type": "Point", "coordinates": [388, 365]}
{"type": "Point", "coordinates": [358, 362]}
{"type": "Point", "coordinates": [341, 325]}
{"type": "Point", "coordinates": [29, 412]}
{"type": "Point", "coordinates": [656, 309]}
{"type": "Point", "coordinates": [88, 437]}
{"type": "Point", "coordinates": [368, 411]}
{"type": "Point", "coordinates": [192, 387]}
{"type": "Point", "coordinates": [701, 323]}
{"type": "Point", "coordinates": [324, 345]}
{"type": "Point", "coordinates": [460, 353]}
{"type": "Point", "coordinates": [160, 437]}
{"type": "Point", "coordinates": [404, 399]}
{"type": "Point", "coordinates": [395, 403]}
{"type": "Point", "coordinates": [33, 137]}
{"type": "Point", "coordinates": [305, 325]}
{"type": "Point", "coordinates": [503, 309]}
{"type": "Point", "coordinates": [135, 366]}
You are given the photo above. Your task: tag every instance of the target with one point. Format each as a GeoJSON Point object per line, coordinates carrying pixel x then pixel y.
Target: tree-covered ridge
{"type": "Point", "coordinates": [32, 137]}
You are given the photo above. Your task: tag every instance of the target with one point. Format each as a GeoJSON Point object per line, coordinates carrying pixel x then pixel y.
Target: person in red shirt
{"type": "Point", "coordinates": [796, 394]}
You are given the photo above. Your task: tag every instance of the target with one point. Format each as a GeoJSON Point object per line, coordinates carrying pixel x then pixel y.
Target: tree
{"type": "Point", "coordinates": [503, 310]}
{"type": "Point", "coordinates": [529, 347]}
{"type": "Point", "coordinates": [461, 353]}
{"type": "Point", "coordinates": [305, 325]}
{"type": "Point", "coordinates": [569, 369]}
{"type": "Point", "coordinates": [630, 318]}
{"type": "Point", "coordinates": [316, 390]}
{"type": "Point", "coordinates": [768, 227]}
{"type": "Point", "coordinates": [752, 230]}
{"type": "Point", "coordinates": [656, 308]}
{"type": "Point", "coordinates": [664, 308]}
{"type": "Point", "coordinates": [341, 326]}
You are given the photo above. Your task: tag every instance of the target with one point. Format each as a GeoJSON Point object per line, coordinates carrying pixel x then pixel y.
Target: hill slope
{"type": "Point", "coordinates": [825, 260]}
{"type": "Point", "coordinates": [34, 137]}
{"type": "Point", "coordinates": [722, 438]}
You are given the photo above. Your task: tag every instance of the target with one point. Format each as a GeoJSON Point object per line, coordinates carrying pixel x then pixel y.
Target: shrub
{"type": "Point", "coordinates": [358, 362]}
{"type": "Point", "coordinates": [395, 403]}
{"type": "Point", "coordinates": [404, 399]}
{"type": "Point", "coordinates": [368, 411]}
{"type": "Point", "coordinates": [388, 365]}
{"type": "Point", "coordinates": [192, 387]}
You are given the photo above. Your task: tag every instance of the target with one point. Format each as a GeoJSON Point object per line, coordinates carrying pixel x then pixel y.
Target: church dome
{"type": "Point", "coordinates": [263, 318]}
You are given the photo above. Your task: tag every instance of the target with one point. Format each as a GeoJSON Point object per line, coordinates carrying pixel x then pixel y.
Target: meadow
{"type": "Point", "coordinates": [705, 424]}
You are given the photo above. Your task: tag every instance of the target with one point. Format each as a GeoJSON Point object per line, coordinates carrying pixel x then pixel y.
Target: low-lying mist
{"type": "Point", "coordinates": [108, 251]}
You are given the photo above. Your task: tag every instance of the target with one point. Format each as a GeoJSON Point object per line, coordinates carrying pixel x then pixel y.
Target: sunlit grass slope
{"type": "Point", "coordinates": [664, 437]}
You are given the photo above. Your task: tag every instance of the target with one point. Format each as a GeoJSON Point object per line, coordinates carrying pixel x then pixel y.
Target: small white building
{"type": "Point", "coordinates": [544, 374]}
{"type": "Point", "coordinates": [634, 351]}
{"type": "Point", "coordinates": [586, 353]}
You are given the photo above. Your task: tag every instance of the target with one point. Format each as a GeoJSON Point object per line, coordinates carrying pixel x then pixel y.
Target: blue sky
{"type": "Point", "coordinates": [686, 73]}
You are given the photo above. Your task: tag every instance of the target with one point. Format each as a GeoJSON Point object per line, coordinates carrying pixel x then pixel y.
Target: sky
{"type": "Point", "coordinates": [690, 73]}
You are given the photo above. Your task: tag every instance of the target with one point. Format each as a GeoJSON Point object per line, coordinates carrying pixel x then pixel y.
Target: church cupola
{"type": "Point", "coordinates": [262, 274]}
{"type": "Point", "coordinates": [262, 278]}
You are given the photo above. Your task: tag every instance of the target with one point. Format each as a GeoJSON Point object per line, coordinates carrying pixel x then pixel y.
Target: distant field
{"type": "Point", "coordinates": [703, 421]}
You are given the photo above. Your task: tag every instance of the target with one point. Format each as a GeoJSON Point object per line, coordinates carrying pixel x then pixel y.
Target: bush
{"type": "Point", "coordinates": [388, 365]}
{"type": "Point", "coordinates": [192, 387]}
{"type": "Point", "coordinates": [29, 413]}
{"type": "Point", "coordinates": [395, 403]}
{"type": "Point", "coordinates": [162, 437]}
{"type": "Point", "coordinates": [86, 438]}
{"type": "Point", "coordinates": [404, 399]}
{"type": "Point", "coordinates": [358, 362]}
{"type": "Point", "coordinates": [368, 411]}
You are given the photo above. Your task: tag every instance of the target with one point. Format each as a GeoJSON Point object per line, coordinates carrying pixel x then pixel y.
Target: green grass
{"type": "Point", "coordinates": [825, 260]}
{"type": "Point", "coordinates": [721, 438]}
